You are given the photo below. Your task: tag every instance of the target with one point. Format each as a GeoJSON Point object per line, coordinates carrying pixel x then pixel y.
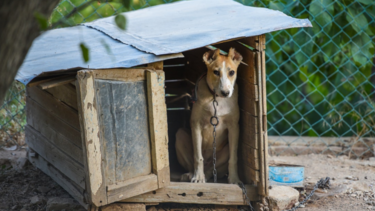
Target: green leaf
{"type": "Point", "coordinates": [120, 21]}
{"type": "Point", "coordinates": [359, 21]}
{"type": "Point", "coordinates": [321, 10]}
{"type": "Point", "coordinates": [361, 49]}
{"type": "Point", "coordinates": [277, 6]}
{"type": "Point", "coordinates": [85, 52]}
{"type": "Point", "coordinates": [42, 21]}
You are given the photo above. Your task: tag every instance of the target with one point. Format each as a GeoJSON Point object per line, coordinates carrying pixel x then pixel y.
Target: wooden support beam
{"type": "Point", "coordinates": [156, 65]}
{"type": "Point", "coordinates": [131, 187]}
{"type": "Point", "coordinates": [124, 207]}
{"type": "Point", "coordinates": [157, 111]}
{"type": "Point", "coordinates": [57, 82]}
{"type": "Point", "coordinates": [203, 193]}
{"type": "Point", "coordinates": [263, 151]}
{"type": "Point", "coordinates": [95, 184]}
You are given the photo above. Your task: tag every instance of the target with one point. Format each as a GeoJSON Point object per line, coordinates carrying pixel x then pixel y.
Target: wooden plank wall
{"type": "Point", "coordinates": [66, 93]}
{"type": "Point", "coordinates": [53, 133]}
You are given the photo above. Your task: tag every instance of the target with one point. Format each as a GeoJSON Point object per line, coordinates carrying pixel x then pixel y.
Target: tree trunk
{"type": "Point", "coordinates": [18, 29]}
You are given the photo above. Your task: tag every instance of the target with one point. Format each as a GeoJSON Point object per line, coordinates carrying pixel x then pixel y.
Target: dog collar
{"type": "Point", "coordinates": [195, 97]}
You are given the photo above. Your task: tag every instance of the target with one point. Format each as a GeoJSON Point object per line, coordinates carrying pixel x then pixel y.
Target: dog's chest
{"type": "Point", "coordinates": [223, 107]}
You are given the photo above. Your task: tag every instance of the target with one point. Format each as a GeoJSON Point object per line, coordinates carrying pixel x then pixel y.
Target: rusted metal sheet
{"type": "Point", "coordinates": [123, 120]}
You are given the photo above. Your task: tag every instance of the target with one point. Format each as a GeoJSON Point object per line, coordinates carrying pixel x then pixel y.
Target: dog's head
{"type": "Point", "coordinates": [222, 71]}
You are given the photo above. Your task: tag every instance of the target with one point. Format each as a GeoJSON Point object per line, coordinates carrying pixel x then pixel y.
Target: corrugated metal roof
{"type": "Point", "coordinates": [59, 49]}
{"type": "Point", "coordinates": [159, 33]}
{"type": "Point", "coordinates": [186, 25]}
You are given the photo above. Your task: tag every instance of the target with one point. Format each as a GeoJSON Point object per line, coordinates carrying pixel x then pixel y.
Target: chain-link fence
{"type": "Point", "coordinates": [319, 80]}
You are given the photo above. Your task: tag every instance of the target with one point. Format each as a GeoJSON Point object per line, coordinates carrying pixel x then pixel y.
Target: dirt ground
{"type": "Point", "coordinates": [352, 181]}
{"type": "Point", "coordinates": [29, 189]}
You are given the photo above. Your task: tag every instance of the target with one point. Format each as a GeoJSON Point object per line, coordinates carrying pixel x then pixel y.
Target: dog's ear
{"type": "Point", "coordinates": [235, 56]}
{"type": "Point", "coordinates": [210, 56]}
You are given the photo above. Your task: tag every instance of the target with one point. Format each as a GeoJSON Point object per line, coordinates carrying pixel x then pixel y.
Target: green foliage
{"type": "Point", "coordinates": [318, 78]}
{"type": "Point", "coordinates": [85, 52]}
{"type": "Point", "coordinates": [120, 21]}
{"type": "Point", "coordinates": [13, 115]}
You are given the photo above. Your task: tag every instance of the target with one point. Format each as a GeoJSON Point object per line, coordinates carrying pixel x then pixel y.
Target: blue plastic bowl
{"type": "Point", "coordinates": [287, 175]}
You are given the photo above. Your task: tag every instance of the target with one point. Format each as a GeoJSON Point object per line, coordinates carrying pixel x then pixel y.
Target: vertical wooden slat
{"type": "Point", "coordinates": [261, 183]}
{"type": "Point", "coordinates": [158, 126]}
{"type": "Point", "coordinates": [263, 174]}
{"type": "Point", "coordinates": [248, 103]}
{"type": "Point", "coordinates": [264, 94]}
{"type": "Point", "coordinates": [92, 148]}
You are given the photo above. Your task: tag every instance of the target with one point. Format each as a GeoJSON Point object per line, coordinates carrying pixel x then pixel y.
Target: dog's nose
{"type": "Point", "coordinates": [225, 93]}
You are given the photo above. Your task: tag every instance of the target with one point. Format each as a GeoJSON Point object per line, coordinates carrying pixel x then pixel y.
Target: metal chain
{"type": "Point", "coordinates": [322, 183]}
{"type": "Point", "coordinates": [214, 124]}
{"type": "Point", "coordinates": [242, 186]}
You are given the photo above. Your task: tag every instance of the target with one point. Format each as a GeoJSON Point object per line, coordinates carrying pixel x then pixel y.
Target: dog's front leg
{"type": "Point", "coordinates": [198, 176]}
{"type": "Point", "coordinates": [234, 131]}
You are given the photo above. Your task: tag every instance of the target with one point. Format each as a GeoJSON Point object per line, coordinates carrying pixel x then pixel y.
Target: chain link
{"type": "Point", "coordinates": [322, 183]}
{"type": "Point", "coordinates": [214, 124]}
{"type": "Point", "coordinates": [242, 186]}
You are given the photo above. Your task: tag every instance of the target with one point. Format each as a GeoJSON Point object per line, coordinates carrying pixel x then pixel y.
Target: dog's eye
{"type": "Point", "coordinates": [231, 73]}
{"type": "Point", "coordinates": [216, 72]}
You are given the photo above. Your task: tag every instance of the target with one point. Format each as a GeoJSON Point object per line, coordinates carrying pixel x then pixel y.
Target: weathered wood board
{"type": "Point", "coordinates": [54, 129]}
{"type": "Point", "coordinates": [158, 126]}
{"type": "Point", "coordinates": [90, 132]}
{"type": "Point", "coordinates": [264, 153]}
{"type": "Point", "coordinates": [204, 193]}
{"type": "Point", "coordinates": [71, 168]}
{"type": "Point", "coordinates": [71, 187]}
{"type": "Point", "coordinates": [65, 93]}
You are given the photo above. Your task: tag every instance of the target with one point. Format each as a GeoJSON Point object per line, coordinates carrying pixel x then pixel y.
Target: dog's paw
{"type": "Point", "coordinates": [186, 177]}
{"type": "Point", "coordinates": [198, 177]}
{"type": "Point", "coordinates": [233, 179]}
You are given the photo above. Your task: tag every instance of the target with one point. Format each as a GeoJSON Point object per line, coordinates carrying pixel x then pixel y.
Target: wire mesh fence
{"type": "Point", "coordinates": [320, 89]}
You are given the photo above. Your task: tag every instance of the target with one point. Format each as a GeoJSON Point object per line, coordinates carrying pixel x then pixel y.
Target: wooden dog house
{"type": "Point", "coordinates": [105, 131]}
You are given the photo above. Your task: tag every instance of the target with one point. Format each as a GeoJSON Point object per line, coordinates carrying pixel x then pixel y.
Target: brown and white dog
{"type": "Point", "coordinates": [194, 152]}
